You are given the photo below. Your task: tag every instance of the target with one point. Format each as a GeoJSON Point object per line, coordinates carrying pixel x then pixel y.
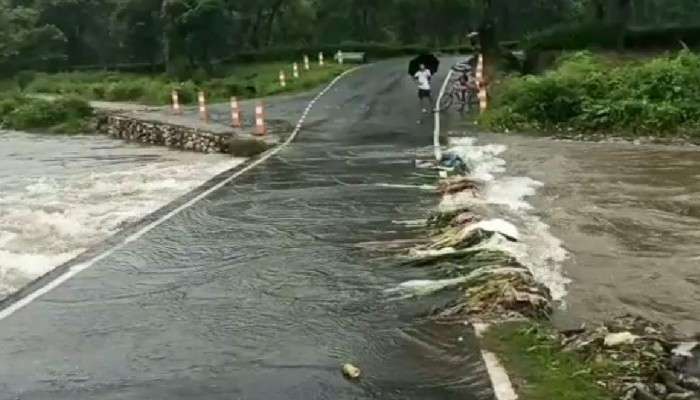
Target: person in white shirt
{"type": "Point", "coordinates": [423, 77]}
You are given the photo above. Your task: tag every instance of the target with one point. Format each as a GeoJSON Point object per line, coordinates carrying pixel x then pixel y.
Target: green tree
{"type": "Point", "coordinates": [193, 32]}
{"type": "Point", "coordinates": [25, 43]}
{"type": "Point", "coordinates": [83, 23]}
{"type": "Point", "coordinates": [136, 26]}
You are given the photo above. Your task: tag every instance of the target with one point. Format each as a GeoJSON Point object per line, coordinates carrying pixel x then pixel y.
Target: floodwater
{"type": "Point", "coordinates": [629, 216]}
{"type": "Point", "coordinates": [60, 195]}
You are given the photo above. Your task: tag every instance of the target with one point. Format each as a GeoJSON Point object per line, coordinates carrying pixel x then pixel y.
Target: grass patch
{"type": "Point", "coordinates": [243, 81]}
{"type": "Point", "coordinates": [63, 115]}
{"type": "Point", "coordinates": [540, 370]}
{"type": "Point", "coordinates": [586, 93]}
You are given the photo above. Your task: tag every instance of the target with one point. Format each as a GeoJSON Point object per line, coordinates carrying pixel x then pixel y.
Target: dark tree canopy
{"type": "Point", "coordinates": [186, 34]}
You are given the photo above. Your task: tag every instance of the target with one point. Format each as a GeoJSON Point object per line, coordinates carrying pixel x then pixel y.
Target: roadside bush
{"type": "Point", "coordinates": [24, 113]}
{"type": "Point", "coordinates": [33, 114]}
{"type": "Point", "coordinates": [24, 78]}
{"type": "Point", "coordinates": [124, 91]}
{"type": "Point", "coordinates": [585, 93]}
{"type": "Point", "coordinates": [74, 107]}
{"type": "Point", "coordinates": [241, 80]}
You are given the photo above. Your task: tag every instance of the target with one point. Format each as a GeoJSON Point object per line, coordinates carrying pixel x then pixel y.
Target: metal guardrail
{"type": "Point", "coordinates": [352, 57]}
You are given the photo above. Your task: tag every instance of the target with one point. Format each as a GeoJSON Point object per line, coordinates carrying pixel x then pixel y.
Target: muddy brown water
{"type": "Point", "coordinates": [630, 217]}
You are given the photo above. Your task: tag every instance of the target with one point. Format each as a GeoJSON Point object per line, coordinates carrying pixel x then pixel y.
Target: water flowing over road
{"type": "Point", "coordinates": [630, 217]}
{"type": "Point", "coordinates": [64, 194]}
{"type": "Point", "coordinates": [264, 288]}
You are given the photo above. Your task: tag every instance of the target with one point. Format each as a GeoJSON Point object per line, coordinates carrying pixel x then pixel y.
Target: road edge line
{"type": "Point", "coordinates": [436, 132]}
{"type": "Point", "coordinates": [74, 270]}
{"type": "Point", "coordinates": [500, 381]}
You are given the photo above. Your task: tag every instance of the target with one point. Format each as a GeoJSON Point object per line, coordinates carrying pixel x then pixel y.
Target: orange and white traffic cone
{"type": "Point", "coordinates": [203, 113]}
{"type": "Point", "coordinates": [176, 102]}
{"type": "Point", "coordinates": [480, 68]}
{"type": "Point", "coordinates": [483, 92]}
{"type": "Point", "coordinates": [235, 113]}
{"type": "Point", "coordinates": [260, 127]}
{"type": "Point", "coordinates": [483, 97]}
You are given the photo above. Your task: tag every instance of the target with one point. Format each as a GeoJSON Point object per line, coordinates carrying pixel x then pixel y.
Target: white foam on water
{"type": "Point", "coordinates": [511, 192]}
{"type": "Point", "coordinates": [398, 186]}
{"type": "Point", "coordinates": [417, 288]}
{"type": "Point", "coordinates": [482, 161]}
{"type": "Point", "coordinates": [431, 253]}
{"type": "Point", "coordinates": [497, 226]}
{"type": "Point", "coordinates": [60, 196]}
{"type": "Point", "coordinates": [537, 250]}
{"type": "Point", "coordinates": [411, 223]}
{"type": "Point", "coordinates": [506, 196]}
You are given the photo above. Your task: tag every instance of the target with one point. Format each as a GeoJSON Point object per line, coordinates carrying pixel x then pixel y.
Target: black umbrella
{"type": "Point", "coordinates": [430, 61]}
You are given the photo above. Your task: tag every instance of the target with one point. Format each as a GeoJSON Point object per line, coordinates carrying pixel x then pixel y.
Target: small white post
{"type": "Point", "coordinates": [283, 79]}
{"type": "Point", "coordinates": [340, 56]}
{"type": "Point", "coordinates": [295, 69]}
{"type": "Point", "coordinates": [307, 65]}
{"type": "Point", "coordinates": [320, 59]}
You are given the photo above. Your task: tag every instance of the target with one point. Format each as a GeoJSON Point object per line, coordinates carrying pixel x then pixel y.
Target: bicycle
{"type": "Point", "coordinates": [457, 96]}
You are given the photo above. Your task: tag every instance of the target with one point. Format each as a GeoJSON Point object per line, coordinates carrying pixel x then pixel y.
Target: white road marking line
{"type": "Point", "coordinates": [436, 132]}
{"type": "Point", "coordinates": [502, 387]}
{"type": "Point", "coordinates": [78, 268]}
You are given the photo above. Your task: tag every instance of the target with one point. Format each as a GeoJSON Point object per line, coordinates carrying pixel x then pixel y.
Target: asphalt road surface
{"type": "Point", "coordinates": [263, 289]}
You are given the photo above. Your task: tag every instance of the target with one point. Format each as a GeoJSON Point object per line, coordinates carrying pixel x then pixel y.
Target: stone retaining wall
{"type": "Point", "coordinates": [163, 134]}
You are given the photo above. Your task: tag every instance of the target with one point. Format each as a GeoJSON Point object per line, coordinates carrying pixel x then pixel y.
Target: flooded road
{"type": "Point", "coordinates": [264, 288]}
{"type": "Point", "coordinates": [630, 217]}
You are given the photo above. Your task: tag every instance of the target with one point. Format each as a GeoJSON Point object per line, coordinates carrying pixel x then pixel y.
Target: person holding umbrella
{"type": "Point", "coordinates": [422, 69]}
{"type": "Point", "coordinates": [425, 93]}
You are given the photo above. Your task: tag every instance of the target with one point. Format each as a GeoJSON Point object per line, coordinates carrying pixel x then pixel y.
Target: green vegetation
{"type": "Point", "coordinates": [24, 107]}
{"type": "Point", "coordinates": [540, 370]}
{"type": "Point", "coordinates": [595, 35]}
{"type": "Point", "coordinates": [248, 80]}
{"type": "Point", "coordinates": [218, 46]}
{"type": "Point", "coordinates": [587, 93]}
{"type": "Point", "coordinates": [63, 115]}
{"type": "Point", "coordinates": [182, 36]}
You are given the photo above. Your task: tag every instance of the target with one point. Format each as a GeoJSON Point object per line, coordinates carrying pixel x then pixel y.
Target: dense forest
{"type": "Point", "coordinates": [37, 34]}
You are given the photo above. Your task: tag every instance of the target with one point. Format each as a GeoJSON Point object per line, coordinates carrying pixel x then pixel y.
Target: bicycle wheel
{"type": "Point", "coordinates": [446, 101]}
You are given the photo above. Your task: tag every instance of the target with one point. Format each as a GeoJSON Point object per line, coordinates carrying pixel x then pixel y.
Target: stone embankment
{"type": "Point", "coordinates": [163, 134]}
{"type": "Point", "coordinates": [185, 133]}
